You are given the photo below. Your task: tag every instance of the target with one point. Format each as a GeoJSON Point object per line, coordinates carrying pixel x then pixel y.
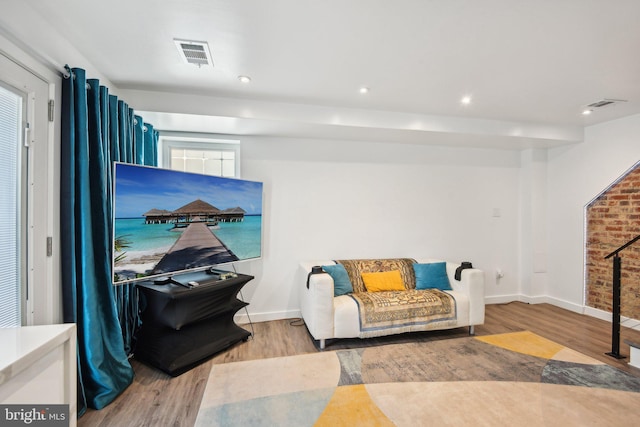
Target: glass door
{"type": "Point", "coordinates": [29, 263]}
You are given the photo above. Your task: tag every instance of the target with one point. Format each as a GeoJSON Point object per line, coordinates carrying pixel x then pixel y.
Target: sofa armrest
{"type": "Point", "coordinates": [316, 301]}
{"type": "Point", "coordinates": [471, 283]}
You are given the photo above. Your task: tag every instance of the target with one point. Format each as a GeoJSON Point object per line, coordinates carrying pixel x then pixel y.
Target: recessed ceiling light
{"type": "Point", "coordinates": [466, 100]}
{"type": "Point", "coordinates": [364, 89]}
{"type": "Point", "coordinates": [244, 79]}
{"type": "Point", "coordinates": [586, 112]}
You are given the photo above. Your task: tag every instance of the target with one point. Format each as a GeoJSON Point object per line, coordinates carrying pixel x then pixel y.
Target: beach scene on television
{"type": "Point", "coordinates": [168, 221]}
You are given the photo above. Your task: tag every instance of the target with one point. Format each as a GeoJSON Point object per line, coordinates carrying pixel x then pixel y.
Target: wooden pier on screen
{"type": "Point", "coordinates": [196, 247]}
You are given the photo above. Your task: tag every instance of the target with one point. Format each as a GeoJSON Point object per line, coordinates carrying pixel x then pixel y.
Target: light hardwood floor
{"type": "Point", "coordinates": [156, 399]}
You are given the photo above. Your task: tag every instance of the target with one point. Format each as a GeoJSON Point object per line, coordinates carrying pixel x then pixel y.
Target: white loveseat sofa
{"type": "Point", "coordinates": [328, 316]}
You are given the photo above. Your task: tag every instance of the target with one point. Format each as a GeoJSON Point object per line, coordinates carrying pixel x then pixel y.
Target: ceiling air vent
{"type": "Point", "coordinates": [605, 103]}
{"type": "Point", "coordinates": [193, 52]}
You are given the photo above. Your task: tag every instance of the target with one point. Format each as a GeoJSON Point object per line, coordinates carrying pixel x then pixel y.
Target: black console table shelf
{"type": "Point", "coordinates": [183, 327]}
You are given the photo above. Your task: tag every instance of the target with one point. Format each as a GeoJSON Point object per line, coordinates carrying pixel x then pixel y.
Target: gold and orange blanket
{"type": "Point", "coordinates": [403, 311]}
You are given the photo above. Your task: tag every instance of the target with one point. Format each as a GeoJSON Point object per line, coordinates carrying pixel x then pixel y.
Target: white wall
{"type": "Point", "coordinates": [328, 199]}
{"type": "Point", "coordinates": [337, 199]}
{"type": "Point", "coordinates": [576, 175]}
{"type": "Point", "coordinates": [533, 226]}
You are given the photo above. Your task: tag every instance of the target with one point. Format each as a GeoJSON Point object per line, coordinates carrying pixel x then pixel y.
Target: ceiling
{"type": "Point", "coordinates": [525, 64]}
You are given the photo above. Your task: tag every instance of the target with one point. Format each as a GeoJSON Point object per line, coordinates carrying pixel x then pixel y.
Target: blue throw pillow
{"type": "Point", "coordinates": [341, 283]}
{"type": "Point", "coordinates": [432, 275]}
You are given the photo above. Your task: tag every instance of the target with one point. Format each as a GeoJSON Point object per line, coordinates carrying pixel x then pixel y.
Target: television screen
{"type": "Point", "coordinates": [167, 222]}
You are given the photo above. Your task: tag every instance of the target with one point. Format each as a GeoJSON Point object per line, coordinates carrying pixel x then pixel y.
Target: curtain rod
{"type": "Point", "coordinates": [67, 72]}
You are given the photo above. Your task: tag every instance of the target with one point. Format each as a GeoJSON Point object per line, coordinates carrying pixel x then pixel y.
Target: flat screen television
{"type": "Point", "coordinates": [167, 222]}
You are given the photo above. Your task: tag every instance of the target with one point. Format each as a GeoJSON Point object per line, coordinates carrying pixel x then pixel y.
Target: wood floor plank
{"type": "Point", "coordinates": [156, 399]}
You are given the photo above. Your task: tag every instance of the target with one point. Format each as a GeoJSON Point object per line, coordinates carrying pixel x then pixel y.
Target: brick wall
{"type": "Point", "coordinates": [612, 220]}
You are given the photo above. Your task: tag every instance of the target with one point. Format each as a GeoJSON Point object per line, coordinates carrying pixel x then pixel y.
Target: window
{"type": "Point", "coordinates": [200, 153]}
{"type": "Point", "coordinates": [10, 248]}
{"type": "Point", "coordinates": [211, 162]}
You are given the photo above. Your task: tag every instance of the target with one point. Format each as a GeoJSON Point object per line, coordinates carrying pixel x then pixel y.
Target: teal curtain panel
{"type": "Point", "coordinates": [96, 130]}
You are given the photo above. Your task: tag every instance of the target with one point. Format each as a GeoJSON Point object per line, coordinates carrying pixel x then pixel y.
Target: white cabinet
{"type": "Point", "coordinates": [38, 366]}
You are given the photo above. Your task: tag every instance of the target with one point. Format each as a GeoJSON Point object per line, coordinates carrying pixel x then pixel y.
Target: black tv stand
{"type": "Point", "coordinates": [170, 280]}
{"type": "Point", "coordinates": [184, 326]}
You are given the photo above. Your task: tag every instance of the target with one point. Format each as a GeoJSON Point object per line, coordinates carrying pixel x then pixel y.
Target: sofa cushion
{"type": "Point", "coordinates": [355, 268]}
{"type": "Point", "coordinates": [383, 281]}
{"type": "Point", "coordinates": [432, 276]}
{"type": "Point", "coordinates": [341, 283]}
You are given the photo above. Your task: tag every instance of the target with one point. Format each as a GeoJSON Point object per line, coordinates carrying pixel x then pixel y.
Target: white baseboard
{"type": "Point", "coordinates": [600, 314]}
{"type": "Point", "coordinates": [534, 300]}
{"type": "Point", "coordinates": [502, 299]}
{"type": "Point", "coordinates": [242, 318]}
{"type": "Point", "coordinates": [625, 322]}
{"type": "Point", "coordinates": [567, 305]}
{"type": "Point", "coordinates": [505, 299]}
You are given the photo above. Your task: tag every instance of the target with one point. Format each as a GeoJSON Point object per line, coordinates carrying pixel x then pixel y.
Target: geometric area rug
{"type": "Point", "coordinates": [508, 379]}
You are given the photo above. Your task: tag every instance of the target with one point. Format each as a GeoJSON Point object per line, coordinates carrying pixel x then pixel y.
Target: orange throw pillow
{"type": "Point", "coordinates": [383, 281]}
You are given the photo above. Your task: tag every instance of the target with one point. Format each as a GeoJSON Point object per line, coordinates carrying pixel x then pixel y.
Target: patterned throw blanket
{"type": "Point", "coordinates": [355, 268]}
{"type": "Point", "coordinates": [412, 310]}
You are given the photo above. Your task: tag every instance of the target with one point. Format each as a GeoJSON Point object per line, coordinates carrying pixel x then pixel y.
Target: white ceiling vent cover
{"type": "Point", "coordinates": [606, 102]}
{"type": "Point", "coordinates": [194, 52]}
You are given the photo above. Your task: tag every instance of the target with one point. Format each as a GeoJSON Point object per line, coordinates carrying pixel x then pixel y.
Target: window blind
{"type": "Point", "coordinates": [10, 132]}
